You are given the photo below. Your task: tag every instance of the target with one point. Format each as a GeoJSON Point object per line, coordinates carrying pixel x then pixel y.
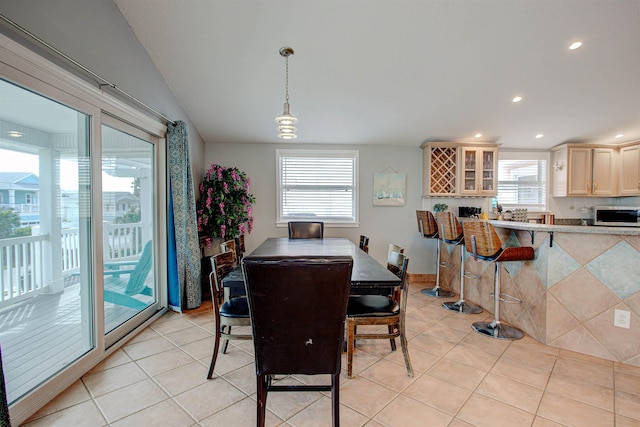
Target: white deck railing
{"type": "Point", "coordinates": [22, 266]}
{"type": "Point", "coordinates": [22, 260]}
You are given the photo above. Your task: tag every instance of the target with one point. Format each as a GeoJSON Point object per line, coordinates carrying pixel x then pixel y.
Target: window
{"type": "Point", "coordinates": [318, 185]}
{"type": "Point", "coordinates": [522, 180]}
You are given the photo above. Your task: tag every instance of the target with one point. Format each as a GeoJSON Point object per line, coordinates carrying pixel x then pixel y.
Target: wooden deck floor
{"type": "Point", "coordinates": [42, 335]}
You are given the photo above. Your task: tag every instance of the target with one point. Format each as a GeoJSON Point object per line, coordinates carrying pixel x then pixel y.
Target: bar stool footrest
{"type": "Point", "coordinates": [498, 330]}
{"type": "Point", "coordinates": [462, 307]}
{"type": "Point", "coordinates": [438, 293]}
{"type": "Point", "coordinates": [508, 299]}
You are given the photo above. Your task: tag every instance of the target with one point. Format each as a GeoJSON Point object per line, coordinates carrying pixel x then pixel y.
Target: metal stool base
{"type": "Point", "coordinates": [462, 307]}
{"type": "Point", "coordinates": [438, 293]}
{"type": "Point", "coordinates": [498, 330]}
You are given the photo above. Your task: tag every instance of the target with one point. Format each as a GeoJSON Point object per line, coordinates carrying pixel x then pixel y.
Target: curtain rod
{"type": "Point", "coordinates": [104, 81]}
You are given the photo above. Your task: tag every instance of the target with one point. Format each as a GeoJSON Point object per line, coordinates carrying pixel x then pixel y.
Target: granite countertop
{"type": "Point", "coordinates": [629, 231]}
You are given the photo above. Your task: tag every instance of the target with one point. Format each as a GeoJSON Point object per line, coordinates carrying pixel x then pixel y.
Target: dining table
{"type": "Point", "coordinates": [367, 275]}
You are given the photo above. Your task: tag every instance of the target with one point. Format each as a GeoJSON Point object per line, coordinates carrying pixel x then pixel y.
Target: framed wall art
{"type": "Point", "coordinates": [389, 189]}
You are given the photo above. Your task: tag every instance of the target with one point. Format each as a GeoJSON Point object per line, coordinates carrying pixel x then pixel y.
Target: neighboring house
{"type": "Point", "coordinates": [117, 203]}
{"type": "Point", "coordinates": [20, 191]}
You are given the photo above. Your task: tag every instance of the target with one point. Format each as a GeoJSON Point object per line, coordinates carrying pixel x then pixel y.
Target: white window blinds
{"type": "Point", "coordinates": [522, 184]}
{"type": "Point", "coordinates": [317, 185]}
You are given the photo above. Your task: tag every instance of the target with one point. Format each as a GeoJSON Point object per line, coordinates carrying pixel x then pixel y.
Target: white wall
{"type": "Point", "coordinates": [95, 34]}
{"type": "Point", "coordinates": [383, 225]}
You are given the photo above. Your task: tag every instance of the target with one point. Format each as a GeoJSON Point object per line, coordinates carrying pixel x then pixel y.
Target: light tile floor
{"type": "Point", "coordinates": [461, 379]}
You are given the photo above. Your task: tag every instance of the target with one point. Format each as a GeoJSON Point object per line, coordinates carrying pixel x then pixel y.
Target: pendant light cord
{"type": "Point", "coordinates": [286, 79]}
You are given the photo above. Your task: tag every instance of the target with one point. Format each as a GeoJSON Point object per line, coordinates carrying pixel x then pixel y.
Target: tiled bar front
{"type": "Point", "coordinates": [569, 291]}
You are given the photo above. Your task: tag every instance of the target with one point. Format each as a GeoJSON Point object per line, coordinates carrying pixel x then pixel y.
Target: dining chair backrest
{"type": "Point", "coordinates": [240, 248]}
{"type": "Point", "coordinates": [364, 243]}
{"type": "Point", "coordinates": [298, 308]}
{"type": "Point", "coordinates": [397, 263]}
{"type": "Point", "coordinates": [221, 265]}
{"type": "Point", "coordinates": [394, 249]}
{"type": "Point", "coordinates": [229, 246]}
{"type": "Point", "coordinates": [306, 230]}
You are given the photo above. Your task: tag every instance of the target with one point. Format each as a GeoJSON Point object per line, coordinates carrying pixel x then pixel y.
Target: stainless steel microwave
{"type": "Point", "coordinates": [618, 216]}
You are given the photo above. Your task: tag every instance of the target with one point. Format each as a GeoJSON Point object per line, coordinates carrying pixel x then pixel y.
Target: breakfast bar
{"type": "Point", "coordinates": [571, 290]}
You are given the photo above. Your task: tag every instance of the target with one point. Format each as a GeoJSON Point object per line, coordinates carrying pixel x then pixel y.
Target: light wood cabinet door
{"type": "Point", "coordinates": [630, 171]}
{"type": "Point", "coordinates": [603, 176]}
{"type": "Point", "coordinates": [478, 171]}
{"type": "Point", "coordinates": [579, 172]}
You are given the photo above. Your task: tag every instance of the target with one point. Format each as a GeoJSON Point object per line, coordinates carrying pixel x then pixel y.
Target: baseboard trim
{"type": "Point", "coordinates": [421, 278]}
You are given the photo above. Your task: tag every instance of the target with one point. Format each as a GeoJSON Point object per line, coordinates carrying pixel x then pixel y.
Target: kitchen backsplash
{"type": "Point", "coordinates": [561, 207]}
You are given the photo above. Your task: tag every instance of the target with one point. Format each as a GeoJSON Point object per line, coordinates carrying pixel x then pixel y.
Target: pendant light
{"type": "Point", "coordinates": [285, 121]}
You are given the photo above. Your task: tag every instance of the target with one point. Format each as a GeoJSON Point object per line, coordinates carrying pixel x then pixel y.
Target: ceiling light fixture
{"type": "Point", "coordinates": [618, 136]}
{"type": "Point", "coordinates": [478, 135]}
{"type": "Point", "coordinates": [540, 135]}
{"type": "Point", "coordinates": [15, 134]}
{"type": "Point", "coordinates": [517, 98]}
{"type": "Point", "coordinates": [576, 44]}
{"type": "Point", "coordinates": [285, 121]}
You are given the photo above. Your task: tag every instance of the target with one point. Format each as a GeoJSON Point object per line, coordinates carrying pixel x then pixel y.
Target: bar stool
{"type": "Point", "coordinates": [429, 229]}
{"type": "Point", "coordinates": [450, 231]}
{"type": "Point", "coordinates": [483, 242]}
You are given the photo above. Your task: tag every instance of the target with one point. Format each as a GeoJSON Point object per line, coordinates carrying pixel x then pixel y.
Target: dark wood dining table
{"type": "Point", "coordinates": [367, 274]}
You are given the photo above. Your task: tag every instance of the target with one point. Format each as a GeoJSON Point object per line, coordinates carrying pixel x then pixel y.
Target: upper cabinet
{"type": "Point", "coordinates": [439, 169]}
{"type": "Point", "coordinates": [479, 171]}
{"type": "Point", "coordinates": [630, 170]}
{"type": "Point", "coordinates": [583, 170]}
{"type": "Point", "coordinates": [456, 169]}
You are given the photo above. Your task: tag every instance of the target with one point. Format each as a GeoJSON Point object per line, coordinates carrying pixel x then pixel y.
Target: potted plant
{"type": "Point", "coordinates": [225, 206]}
{"type": "Point", "coordinates": [440, 207]}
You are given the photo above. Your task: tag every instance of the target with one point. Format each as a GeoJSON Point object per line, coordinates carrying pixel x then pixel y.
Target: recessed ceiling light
{"type": "Point", "coordinates": [576, 44]}
{"type": "Point", "coordinates": [15, 134]}
{"type": "Point", "coordinates": [478, 135]}
{"type": "Point", "coordinates": [517, 98]}
{"type": "Point", "coordinates": [618, 136]}
{"type": "Point", "coordinates": [540, 135]}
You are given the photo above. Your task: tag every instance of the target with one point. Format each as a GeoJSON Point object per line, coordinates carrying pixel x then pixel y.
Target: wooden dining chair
{"type": "Point", "coordinates": [380, 310]}
{"type": "Point", "coordinates": [306, 230]}
{"type": "Point", "coordinates": [240, 248]}
{"type": "Point", "coordinates": [297, 307]}
{"type": "Point", "coordinates": [364, 243]}
{"type": "Point", "coordinates": [233, 312]}
{"type": "Point", "coordinates": [230, 246]}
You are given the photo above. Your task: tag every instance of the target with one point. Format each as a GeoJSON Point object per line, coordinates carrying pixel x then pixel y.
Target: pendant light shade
{"type": "Point", "coordinates": [285, 121]}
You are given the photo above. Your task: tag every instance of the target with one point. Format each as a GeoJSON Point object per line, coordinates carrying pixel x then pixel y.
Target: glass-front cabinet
{"type": "Point", "coordinates": [479, 171]}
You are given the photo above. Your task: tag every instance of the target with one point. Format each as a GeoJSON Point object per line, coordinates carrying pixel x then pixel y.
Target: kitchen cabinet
{"type": "Point", "coordinates": [479, 171]}
{"type": "Point", "coordinates": [458, 169]}
{"type": "Point", "coordinates": [440, 169]}
{"type": "Point", "coordinates": [580, 170]}
{"type": "Point", "coordinates": [630, 170]}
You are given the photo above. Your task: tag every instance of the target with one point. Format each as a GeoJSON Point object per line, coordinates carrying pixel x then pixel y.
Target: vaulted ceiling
{"type": "Point", "coordinates": [400, 72]}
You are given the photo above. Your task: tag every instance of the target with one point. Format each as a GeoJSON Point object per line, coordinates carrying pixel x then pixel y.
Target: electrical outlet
{"type": "Point", "coordinates": [622, 318]}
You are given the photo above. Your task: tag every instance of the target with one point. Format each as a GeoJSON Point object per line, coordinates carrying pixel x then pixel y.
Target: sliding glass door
{"type": "Point", "coordinates": [46, 312]}
{"type": "Point", "coordinates": [80, 227]}
{"type": "Point", "coordinates": [129, 220]}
